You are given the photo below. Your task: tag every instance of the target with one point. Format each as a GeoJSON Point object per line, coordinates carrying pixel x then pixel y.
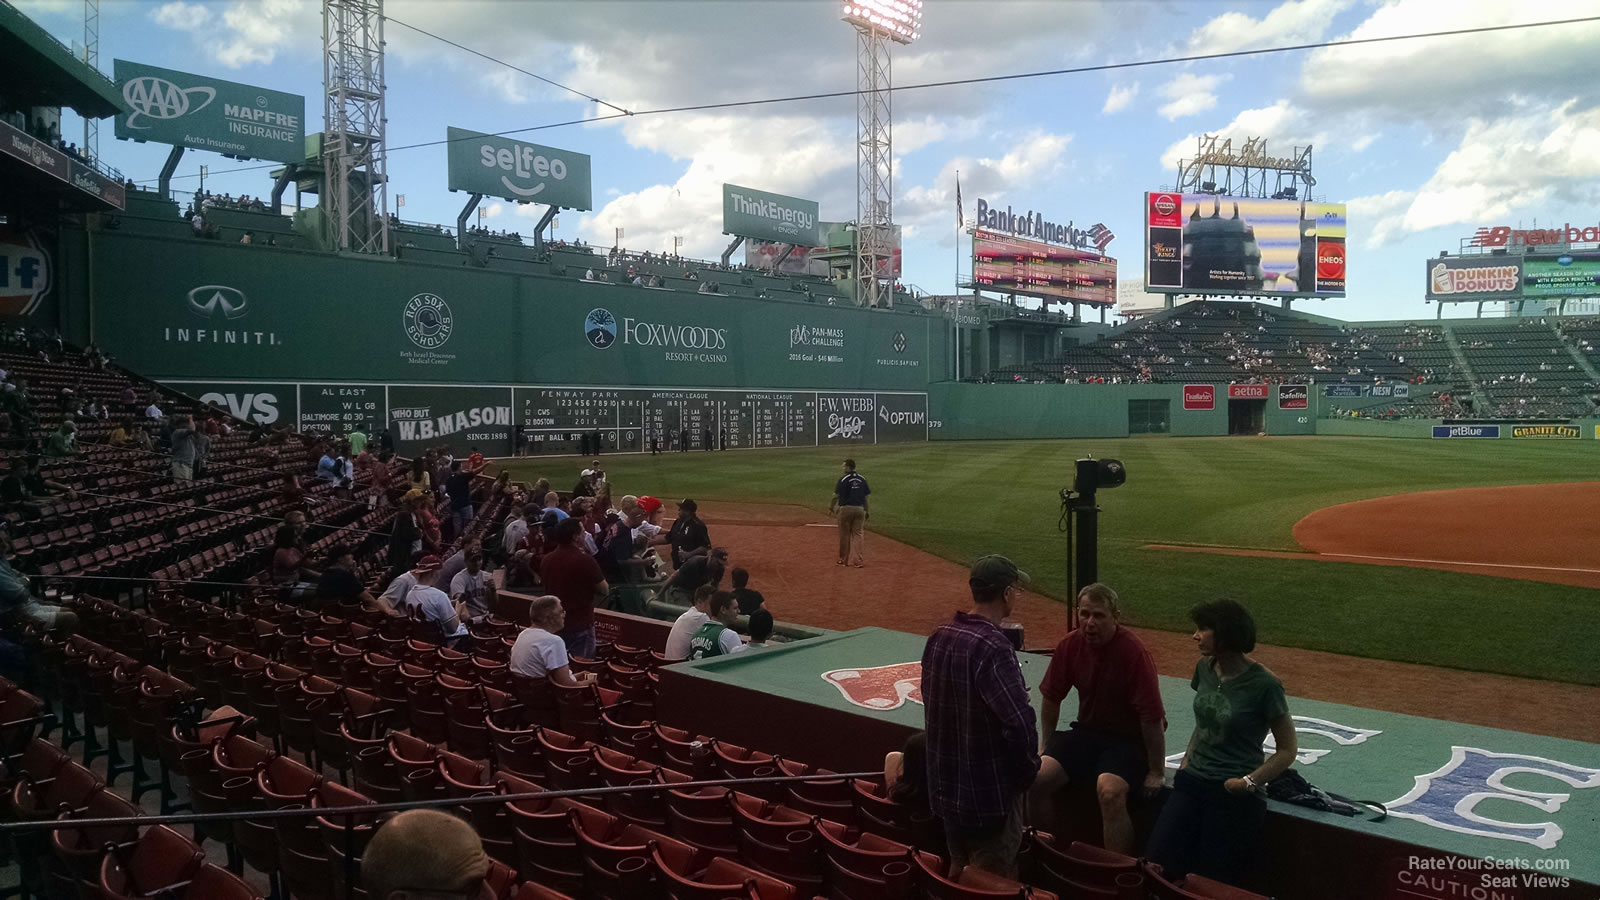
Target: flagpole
{"type": "Point", "coordinates": [959, 222]}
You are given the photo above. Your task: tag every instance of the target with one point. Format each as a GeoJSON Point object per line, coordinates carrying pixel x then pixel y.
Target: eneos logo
{"type": "Point", "coordinates": [427, 321]}
{"type": "Point", "coordinates": [211, 300]}
{"type": "Point", "coordinates": [600, 327]}
{"type": "Point", "coordinates": [523, 163]}
{"type": "Point", "coordinates": [159, 98]}
{"type": "Point", "coordinates": [24, 272]}
{"type": "Point", "coordinates": [1330, 260]}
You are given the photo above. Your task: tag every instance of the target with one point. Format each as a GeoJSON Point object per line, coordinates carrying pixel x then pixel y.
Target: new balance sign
{"type": "Point", "coordinates": [1466, 431]}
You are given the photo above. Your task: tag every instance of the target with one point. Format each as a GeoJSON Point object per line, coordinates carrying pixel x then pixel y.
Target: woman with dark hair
{"type": "Point", "coordinates": [905, 772]}
{"type": "Point", "coordinates": [1210, 823]}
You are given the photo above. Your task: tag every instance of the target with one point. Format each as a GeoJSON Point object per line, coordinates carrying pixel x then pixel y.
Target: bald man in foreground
{"type": "Point", "coordinates": [424, 854]}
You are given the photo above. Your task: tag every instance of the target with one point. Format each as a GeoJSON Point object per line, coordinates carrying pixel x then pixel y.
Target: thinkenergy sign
{"type": "Point", "coordinates": [770, 217]}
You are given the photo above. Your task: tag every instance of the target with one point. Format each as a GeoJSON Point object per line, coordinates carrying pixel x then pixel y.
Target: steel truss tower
{"type": "Point", "coordinates": [355, 195]}
{"type": "Point", "coordinates": [874, 167]}
{"type": "Point", "coordinates": [91, 55]}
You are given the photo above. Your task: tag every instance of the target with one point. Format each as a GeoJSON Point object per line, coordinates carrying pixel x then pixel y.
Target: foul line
{"type": "Point", "coordinates": [1457, 562]}
{"type": "Point", "coordinates": [1290, 554]}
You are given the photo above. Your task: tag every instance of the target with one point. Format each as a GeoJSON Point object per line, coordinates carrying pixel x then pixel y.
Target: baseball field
{"type": "Point", "coordinates": [1500, 580]}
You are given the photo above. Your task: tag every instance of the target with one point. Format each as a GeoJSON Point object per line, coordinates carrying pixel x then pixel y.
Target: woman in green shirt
{"type": "Point", "coordinates": [1217, 805]}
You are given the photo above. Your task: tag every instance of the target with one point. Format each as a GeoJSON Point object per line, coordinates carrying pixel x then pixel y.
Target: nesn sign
{"type": "Point", "coordinates": [1466, 431]}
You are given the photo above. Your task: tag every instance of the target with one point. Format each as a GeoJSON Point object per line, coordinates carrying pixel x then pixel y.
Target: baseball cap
{"type": "Point", "coordinates": [429, 563]}
{"type": "Point", "coordinates": [995, 570]}
{"type": "Point", "coordinates": [650, 504]}
{"type": "Point", "coordinates": [689, 505]}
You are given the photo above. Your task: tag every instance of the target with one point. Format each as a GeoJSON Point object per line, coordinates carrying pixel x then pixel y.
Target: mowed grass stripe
{"type": "Point", "coordinates": [960, 500]}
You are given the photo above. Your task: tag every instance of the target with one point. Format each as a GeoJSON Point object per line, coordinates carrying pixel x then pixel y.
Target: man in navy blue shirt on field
{"type": "Point", "coordinates": [850, 500]}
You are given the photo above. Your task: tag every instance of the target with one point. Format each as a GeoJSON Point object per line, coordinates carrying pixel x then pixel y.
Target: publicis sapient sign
{"type": "Point", "coordinates": [517, 171]}
{"type": "Point", "coordinates": [770, 217]}
{"type": "Point", "coordinates": [170, 107]}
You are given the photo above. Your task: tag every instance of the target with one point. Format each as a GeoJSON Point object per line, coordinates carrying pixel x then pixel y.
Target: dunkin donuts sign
{"type": "Point", "coordinates": [1199, 396]}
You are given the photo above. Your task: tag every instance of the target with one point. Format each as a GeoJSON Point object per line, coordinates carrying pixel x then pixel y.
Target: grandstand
{"type": "Point", "coordinates": [1529, 368]}
{"type": "Point", "coordinates": [234, 737]}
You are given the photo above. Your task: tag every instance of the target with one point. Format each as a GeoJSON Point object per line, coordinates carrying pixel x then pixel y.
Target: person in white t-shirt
{"type": "Point", "coordinates": [516, 529]}
{"type": "Point", "coordinates": [393, 599]}
{"type": "Point", "coordinates": [473, 588]}
{"type": "Point", "coordinates": [541, 653]}
{"type": "Point", "coordinates": [690, 622]}
{"type": "Point", "coordinates": [436, 607]}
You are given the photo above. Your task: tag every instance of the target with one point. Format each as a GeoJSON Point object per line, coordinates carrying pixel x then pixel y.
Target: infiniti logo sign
{"type": "Point", "coordinates": [209, 299]}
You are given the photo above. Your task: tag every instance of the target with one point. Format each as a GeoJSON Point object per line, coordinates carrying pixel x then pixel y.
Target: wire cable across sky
{"type": "Point", "coordinates": [929, 85]}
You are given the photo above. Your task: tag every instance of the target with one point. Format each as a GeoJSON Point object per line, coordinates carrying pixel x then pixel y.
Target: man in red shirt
{"type": "Point", "coordinates": [1118, 739]}
{"type": "Point", "coordinates": [475, 463]}
{"type": "Point", "coordinates": [571, 573]}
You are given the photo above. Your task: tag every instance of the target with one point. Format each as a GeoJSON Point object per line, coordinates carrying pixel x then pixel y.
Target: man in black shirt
{"type": "Point", "coordinates": [688, 535]}
{"type": "Point", "coordinates": [697, 570]}
{"type": "Point", "coordinates": [749, 600]}
{"type": "Point", "coordinates": [459, 487]}
{"type": "Point", "coordinates": [850, 500]}
{"type": "Point", "coordinates": [25, 484]}
{"type": "Point", "coordinates": [339, 585]}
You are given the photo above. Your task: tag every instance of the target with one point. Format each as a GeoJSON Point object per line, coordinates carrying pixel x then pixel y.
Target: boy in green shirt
{"type": "Point", "coordinates": [717, 637]}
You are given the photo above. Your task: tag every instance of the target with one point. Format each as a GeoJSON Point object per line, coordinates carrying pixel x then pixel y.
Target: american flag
{"type": "Point", "coordinates": [1101, 235]}
{"type": "Point", "coordinates": [961, 218]}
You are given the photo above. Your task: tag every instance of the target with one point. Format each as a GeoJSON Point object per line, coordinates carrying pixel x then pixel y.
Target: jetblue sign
{"type": "Point", "coordinates": [1466, 431]}
{"type": "Point", "coordinates": [1034, 225]}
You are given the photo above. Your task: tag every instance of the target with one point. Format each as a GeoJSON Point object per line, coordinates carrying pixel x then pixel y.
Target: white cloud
{"type": "Point", "coordinates": [1292, 22]}
{"type": "Point", "coordinates": [181, 16]}
{"type": "Point", "coordinates": [1378, 215]}
{"type": "Point", "coordinates": [1190, 94]}
{"type": "Point", "coordinates": [929, 209]}
{"type": "Point", "coordinates": [248, 31]}
{"type": "Point", "coordinates": [1451, 79]}
{"type": "Point", "coordinates": [1363, 142]}
{"type": "Point", "coordinates": [1513, 163]}
{"type": "Point", "coordinates": [1284, 124]}
{"type": "Point", "coordinates": [1121, 95]}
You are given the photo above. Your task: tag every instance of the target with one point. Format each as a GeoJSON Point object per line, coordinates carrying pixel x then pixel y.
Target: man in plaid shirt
{"type": "Point", "coordinates": [983, 748]}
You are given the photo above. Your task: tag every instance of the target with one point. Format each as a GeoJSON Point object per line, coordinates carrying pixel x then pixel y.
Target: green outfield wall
{"type": "Point", "coordinates": [961, 412]}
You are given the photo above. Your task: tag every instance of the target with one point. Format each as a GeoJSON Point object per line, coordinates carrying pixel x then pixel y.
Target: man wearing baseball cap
{"type": "Point", "coordinates": [393, 599]}
{"type": "Point", "coordinates": [983, 747]}
{"type": "Point", "coordinates": [689, 535]}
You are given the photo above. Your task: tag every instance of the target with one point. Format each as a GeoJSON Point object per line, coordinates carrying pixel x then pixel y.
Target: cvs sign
{"type": "Point", "coordinates": [251, 407]}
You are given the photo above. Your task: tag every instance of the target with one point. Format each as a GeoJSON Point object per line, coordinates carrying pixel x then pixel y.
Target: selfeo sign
{"type": "Point", "coordinates": [517, 171]}
{"type": "Point", "coordinates": [170, 107]}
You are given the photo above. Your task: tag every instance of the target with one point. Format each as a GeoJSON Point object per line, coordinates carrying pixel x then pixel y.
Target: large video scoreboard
{"type": "Point", "coordinates": [1037, 269]}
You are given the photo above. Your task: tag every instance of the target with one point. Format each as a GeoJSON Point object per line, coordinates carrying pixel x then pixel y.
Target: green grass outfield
{"type": "Point", "coordinates": [960, 500]}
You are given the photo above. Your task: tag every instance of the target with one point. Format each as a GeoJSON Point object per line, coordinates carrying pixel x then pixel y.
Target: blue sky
{"type": "Point", "coordinates": [1427, 140]}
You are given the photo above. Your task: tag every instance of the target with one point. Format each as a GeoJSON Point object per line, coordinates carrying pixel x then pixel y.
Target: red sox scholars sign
{"type": "Point", "coordinates": [1199, 396]}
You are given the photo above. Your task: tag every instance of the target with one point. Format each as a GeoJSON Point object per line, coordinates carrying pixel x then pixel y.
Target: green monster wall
{"type": "Point", "coordinates": [191, 309]}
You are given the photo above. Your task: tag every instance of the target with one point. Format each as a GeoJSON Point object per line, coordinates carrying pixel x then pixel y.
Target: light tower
{"type": "Point", "coordinates": [354, 124]}
{"type": "Point", "coordinates": [876, 22]}
{"type": "Point", "coordinates": [91, 55]}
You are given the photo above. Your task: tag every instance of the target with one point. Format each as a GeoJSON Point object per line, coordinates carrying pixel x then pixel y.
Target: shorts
{"type": "Point", "coordinates": [991, 846]}
{"type": "Point", "coordinates": [1087, 753]}
{"type": "Point", "coordinates": [182, 471]}
{"type": "Point", "coordinates": [40, 614]}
